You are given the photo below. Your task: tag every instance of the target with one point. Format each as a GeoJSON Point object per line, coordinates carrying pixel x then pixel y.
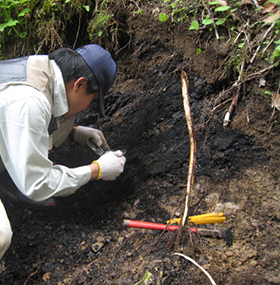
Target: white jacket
{"type": "Point", "coordinates": [25, 114]}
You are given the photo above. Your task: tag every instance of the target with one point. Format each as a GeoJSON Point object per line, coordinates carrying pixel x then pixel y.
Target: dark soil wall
{"type": "Point", "coordinates": [82, 241]}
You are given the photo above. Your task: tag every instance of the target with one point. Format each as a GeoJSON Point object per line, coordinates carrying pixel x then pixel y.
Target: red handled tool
{"type": "Point", "coordinates": [227, 235]}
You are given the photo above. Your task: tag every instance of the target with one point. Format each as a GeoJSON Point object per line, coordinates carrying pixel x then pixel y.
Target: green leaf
{"type": "Point", "coordinates": [198, 51]}
{"type": "Point", "coordinates": [23, 12]}
{"type": "Point", "coordinates": [23, 35]}
{"type": "Point", "coordinates": [10, 23]}
{"type": "Point", "coordinates": [194, 25]}
{"type": "Point", "coordinates": [215, 3]}
{"type": "Point", "coordinates": [162, 17]}
{"type": "Point", "coordinates": [220, 21]}
{"type": "Point", "coordinates": [138, 12]}
{"type": "Point", "coordinates": [207, 22]}
{"type": "Point", "coordinates": [2, 27]}
{"type": "Point", "coordinates": [222, 8]}
{"type": "Point", "coordinates": [87, 8]}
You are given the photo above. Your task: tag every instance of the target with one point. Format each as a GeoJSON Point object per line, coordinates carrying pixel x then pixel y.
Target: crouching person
{"type": "Point", "coordinates": [40, 97]}
{"type": "Point", "coordinates": [5, 231]}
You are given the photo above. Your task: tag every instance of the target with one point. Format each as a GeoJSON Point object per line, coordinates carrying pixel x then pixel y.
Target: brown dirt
{"type": "Point", "coordinates": [82, 241]}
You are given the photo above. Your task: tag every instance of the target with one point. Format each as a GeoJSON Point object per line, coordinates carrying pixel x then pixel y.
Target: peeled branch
{"type": "Point", "coordinates": [186, 102]}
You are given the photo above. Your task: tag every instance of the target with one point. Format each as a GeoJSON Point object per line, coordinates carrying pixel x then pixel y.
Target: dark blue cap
{"type": "Point", "coordinates": [103, 67]}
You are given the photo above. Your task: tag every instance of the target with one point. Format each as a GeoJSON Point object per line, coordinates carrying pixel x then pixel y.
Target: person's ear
{"type": "Point", "coordinates": [80, 82]}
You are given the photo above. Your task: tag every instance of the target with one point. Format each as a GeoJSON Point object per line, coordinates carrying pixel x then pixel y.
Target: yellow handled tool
{"type": "Point", "coordinates": [210, 218]}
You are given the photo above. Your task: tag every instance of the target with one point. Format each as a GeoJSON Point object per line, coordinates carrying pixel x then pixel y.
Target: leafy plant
{"type": "Point", "coordinates": [146, 279]}
{"type": "Point", "coordinates": [194, 25]}
{"type": "Point", "coordinates": [219, 19]}
{"type": "Point", "coordinates": [162, 17]}
{"type": "Point", "coordinates": [52, 18]}
{"type": "Point", "coordinates": [207, 21]}
{"type": "Point", "coordinates": [276, 53]}
{"type": "Point", "coordinates": [273, 19]}
{"type": "Point", "coordinates": [149, 278]}
{"type": "Point", "coordinates": [14, 16]}
{"type": "Point", "coordinates": [40, 21]}
{"type": "Point", "coordinates": [216, 13]}
{"type": "Point", "coordinates": [99, 23]}
{"type": "Point", "coordinates": [178, 10]}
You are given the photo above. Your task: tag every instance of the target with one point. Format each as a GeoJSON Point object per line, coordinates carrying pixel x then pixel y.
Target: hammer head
{"type": "Point", "coordinates": [226, 235]}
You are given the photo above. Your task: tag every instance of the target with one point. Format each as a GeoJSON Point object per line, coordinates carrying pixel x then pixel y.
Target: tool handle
{"type": "Point", "coordinates": [210, 218]}
{"type": "Point", "coordinates": [206, 220]}
{"type": "Point", "coordinates": [209, 233]}
{"type": "Point", "coordinates": [152, 226]}
{"type": "Point", "coordinates": [226, 235]}
{"type": "Point", "coordinates": [148, 225]}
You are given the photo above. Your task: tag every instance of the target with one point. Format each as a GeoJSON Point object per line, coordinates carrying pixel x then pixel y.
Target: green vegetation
{"type": "Point", "coordinates": [149, 278]}
{"type": "Point", "coordinates": [178, 10]}
{"type": "Point", "coordinates": [43, 24]}
{"type": "Point", "coordinates": [162, 17]}
{"type": "Point", "coordinates": [228, 19]}
{"type": "Point", "coordinates": [14, 16]}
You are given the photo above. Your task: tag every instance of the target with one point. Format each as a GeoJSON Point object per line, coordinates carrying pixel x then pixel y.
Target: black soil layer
{"type": "Point", "coordinates": [82, 239]}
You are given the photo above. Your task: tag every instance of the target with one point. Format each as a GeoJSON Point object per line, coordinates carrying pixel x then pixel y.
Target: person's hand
{"type": "Point", "coordinates": [111, 165]}
{"type": "Point", "coordinates": [81, 134]}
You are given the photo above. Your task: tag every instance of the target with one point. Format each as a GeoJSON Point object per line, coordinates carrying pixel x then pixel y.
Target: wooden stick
{"type": "Point", "coordinates": [200, 267]}
{"type": "Point", "coordinates": [264, 36]}
{"type": "Point", "coordinates": [186, 102]}
{"type": "Point", "coordinates": [231, 108]}
{"type": "Point", "coordinates": [256, 4]}
{"type": "Point", "coordinates": [214, 25]}
{"type": "Point", "coordinates": [235, 98]}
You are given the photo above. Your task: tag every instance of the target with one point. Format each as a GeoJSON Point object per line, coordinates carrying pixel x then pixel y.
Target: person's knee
{"type": "Point", "coordinates": [5, 240]}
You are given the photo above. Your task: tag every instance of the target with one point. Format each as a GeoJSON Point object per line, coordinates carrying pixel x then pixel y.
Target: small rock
{"type": "Point", "coordinates": [97, 246]}
{"type": "Point", "coordinates": [100, 239]}
{"type": "Point", "coordinates": [126, 215]}
{"type": "Point", "coordinates": [219, 208]}
{"type": "Point", "coordinates": [230, 208]}
{"type": "Point", "coordinates": [229, 253]}
{"type": "Point", "coordinates": [262, 82]}
{"type": "Point", "coordinates": [212, 198]}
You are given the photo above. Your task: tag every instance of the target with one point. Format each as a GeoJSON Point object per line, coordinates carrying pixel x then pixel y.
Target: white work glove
{"type": "Point", "coordinates": [111, 165]}
{"type": "Point", "coordinates": [81, 134]}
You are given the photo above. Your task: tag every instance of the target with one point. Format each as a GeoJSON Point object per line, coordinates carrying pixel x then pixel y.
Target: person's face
{"type": "Point", "coordinates": [77, 97]}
